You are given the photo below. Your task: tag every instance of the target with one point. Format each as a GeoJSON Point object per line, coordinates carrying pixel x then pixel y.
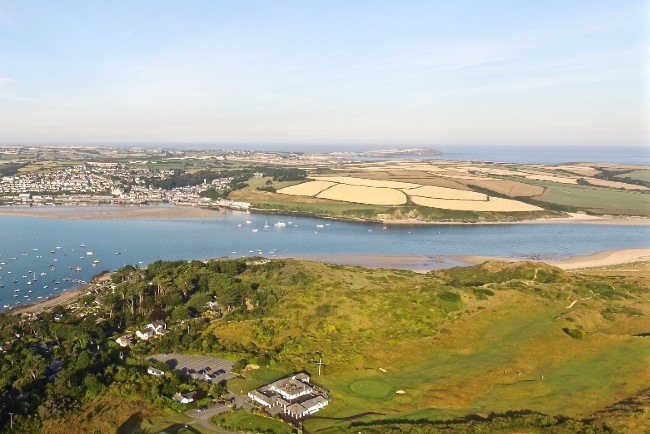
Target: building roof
{"type": "Point", "coordinates": [297, 409]}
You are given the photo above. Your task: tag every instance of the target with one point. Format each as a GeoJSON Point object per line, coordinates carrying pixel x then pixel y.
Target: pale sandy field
{"type": "Point", "coordinates": [580, 170]}
{"type": "Point", "coordinates": [364, 195]}
{"type": "Point", "coordinates": [309, 188]}
{"type": "Point", "coordinates": [445, 193]}
{"type": "Point", "coordinates": [495, 204]}
{"type": "Point", "coordinates": [553, 179]}
{"type": "Point", "coordinates": [366, 182]}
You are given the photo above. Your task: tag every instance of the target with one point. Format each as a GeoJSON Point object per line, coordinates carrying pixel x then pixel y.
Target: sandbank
{"type": "Point", "coordinates": [422, 264]}
{"type": "Point", "coordinates": [599, 259]}
{"type": "Point", "coordinates": [109, 212]}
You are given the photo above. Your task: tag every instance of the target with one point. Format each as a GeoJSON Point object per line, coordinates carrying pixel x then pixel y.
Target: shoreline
{"type": "Point", "coordinates": [415, 263]}
{"type": "Point", "coordinates": [116, 212]}
{"type": "Point", "coordinates": [60, 299]}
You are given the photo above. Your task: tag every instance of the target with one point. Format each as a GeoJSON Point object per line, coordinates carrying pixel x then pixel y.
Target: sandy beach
{"type": "Point", "coordinates": [62, 298]}
{"type": "Point", "coordinates": [599, 259]}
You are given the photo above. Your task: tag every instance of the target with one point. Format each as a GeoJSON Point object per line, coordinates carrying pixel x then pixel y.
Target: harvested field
{"type": "Point", "coordinates": [309, 188]}
{"type": "Point", "coordinates": [510, 188]}
{"type": "Point", "coordinates": [437, 182]}
{"type": "Point", "coordinates": [502, 172]}
{"type": "Point", "coordinates": [366, 182]}
{"type": "Point", "coordinates": [445, 193]}
{"type": "Point", "coordinates": [458, 175]}
{"type": "Point", "coordinates": [614, 184]}
{"type": "Point", "coordinates": [364, 194]}
{"type": "Point", "coordinates": [580, 170]}
{"type": "Point", "coordinates": [495, 204]}
{"type": "Point", "coordinates": [553, 179]}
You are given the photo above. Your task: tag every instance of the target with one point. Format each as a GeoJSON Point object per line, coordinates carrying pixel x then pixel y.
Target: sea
{"type": "Point", "coordinates": [42, 257]}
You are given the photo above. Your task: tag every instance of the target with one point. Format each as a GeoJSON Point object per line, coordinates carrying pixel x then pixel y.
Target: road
{"type": "Point", "coordinates": [202, 417]}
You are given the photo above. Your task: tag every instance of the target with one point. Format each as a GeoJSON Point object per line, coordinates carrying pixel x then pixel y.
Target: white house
{"type": "Point", "coordinates": [185, 398]}
{"type": "Point", "coordinates": [125, 341]}
{"type": "Point", "coordinates": [145, 334]}
{"type": "Point", "coordinates": [157, 328]}
{"type": "Point", "coordinates": [155, 372]}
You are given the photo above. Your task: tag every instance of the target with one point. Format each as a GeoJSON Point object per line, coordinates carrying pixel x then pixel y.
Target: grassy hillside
{"type": "Point", "coordinates": [490, 338]}
{"type": "Point", "coordinates": [507, 343]}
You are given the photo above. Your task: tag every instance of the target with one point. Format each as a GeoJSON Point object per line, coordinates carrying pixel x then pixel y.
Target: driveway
{"type": "Point", "coordinates": [209, 412]}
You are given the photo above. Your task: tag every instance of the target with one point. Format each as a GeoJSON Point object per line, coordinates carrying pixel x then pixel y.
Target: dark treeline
{"type": "Point", "coordinates": [239, 176]}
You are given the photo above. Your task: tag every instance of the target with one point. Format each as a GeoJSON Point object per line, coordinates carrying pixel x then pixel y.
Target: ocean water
{"type": "Point", "coordinates": [50, 250]}
{"type": "Point", "coordinates": [634, 155]}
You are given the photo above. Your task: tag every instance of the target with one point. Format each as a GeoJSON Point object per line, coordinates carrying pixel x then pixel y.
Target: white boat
{"type": "Point", "coordinates": [266, 225]}
{"type": "Point", "coordinates": [89, 253]}
{"type": "Point", "coordinates": [6, 306]}
{"type": "Point", "coordinates": [254, 230]}
{"type": "Point", "coordinates": [248, 222]}
{"type": "Point", "coordinates": [320, 226]}
{"type": "Point", "coordinates": [279, 224]}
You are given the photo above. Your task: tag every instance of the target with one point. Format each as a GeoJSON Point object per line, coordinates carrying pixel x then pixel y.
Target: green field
{"type": "Point", "coordinates": [598, 200]}
{"type": "Point", "coordinates": [640, 175]}
{"type": "Point", "coordinates": [243, 421]}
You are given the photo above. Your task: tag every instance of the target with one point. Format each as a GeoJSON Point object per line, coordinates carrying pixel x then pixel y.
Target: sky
{"type": "Point", "coordinates": [310, 72]}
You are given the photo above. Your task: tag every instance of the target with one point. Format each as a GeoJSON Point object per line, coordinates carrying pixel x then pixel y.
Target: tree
{"type": "Point", "coordinates": [181, 313]}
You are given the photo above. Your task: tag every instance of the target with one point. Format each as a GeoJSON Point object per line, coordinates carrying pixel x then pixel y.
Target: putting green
{"type": "Point", "coordinates": [373, 389]}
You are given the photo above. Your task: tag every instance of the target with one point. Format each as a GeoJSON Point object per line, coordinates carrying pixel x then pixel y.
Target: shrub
{"type": "Point", "coordinates": [575, 333]}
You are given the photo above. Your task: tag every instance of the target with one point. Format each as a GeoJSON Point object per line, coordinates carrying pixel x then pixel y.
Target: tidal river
{"type": "Point", "coordinates": [40, 257]}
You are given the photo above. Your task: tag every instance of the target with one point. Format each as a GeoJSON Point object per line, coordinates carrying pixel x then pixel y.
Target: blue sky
{"type": "Point", "coordinates": [432, 73]}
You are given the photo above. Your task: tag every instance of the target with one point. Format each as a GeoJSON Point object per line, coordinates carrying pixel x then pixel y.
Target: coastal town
{"type": "Point", "coordinates": [103, 183]}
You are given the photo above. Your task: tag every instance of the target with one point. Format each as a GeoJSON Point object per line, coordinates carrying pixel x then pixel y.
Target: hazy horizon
{"type": "Point", "coordinates": [311, 74]}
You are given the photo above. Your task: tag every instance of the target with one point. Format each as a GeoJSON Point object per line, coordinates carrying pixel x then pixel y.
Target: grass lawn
{"type": "Point", "coordinates": [243, 421]}
{"type": "Point", "coordinates": [255, 378]}
{"type": "Point", "coordinates": [253, 183]}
